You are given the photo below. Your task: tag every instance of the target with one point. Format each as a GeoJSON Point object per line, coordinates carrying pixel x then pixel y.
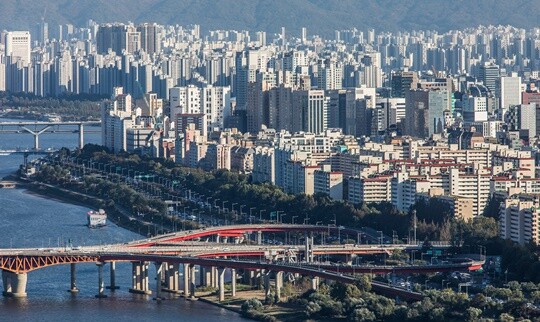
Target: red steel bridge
{"type": "Point", "coordinates": [207, 249]}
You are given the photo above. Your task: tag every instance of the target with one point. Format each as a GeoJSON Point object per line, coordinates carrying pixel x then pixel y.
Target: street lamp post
{"type": "Point", "coordinates": [232, 207]}
{"type": "Point", "coordinates": [293, 217]}
{"type": "Point", "coordinates": [241, 214]}
{"type": "Point", "coordinates": [223, 208]}
{"type": "Point", "coordinates": [277, 216]}
{"type": "Point", "coordinates": [223, 205]}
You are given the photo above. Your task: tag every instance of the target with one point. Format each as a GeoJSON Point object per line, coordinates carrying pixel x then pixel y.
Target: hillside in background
{"type": "Point", "coordinates": [319, 16]}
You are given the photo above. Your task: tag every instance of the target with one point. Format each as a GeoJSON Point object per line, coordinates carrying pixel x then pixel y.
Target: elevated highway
{"type": "Point", "coordinates": [170, 251]}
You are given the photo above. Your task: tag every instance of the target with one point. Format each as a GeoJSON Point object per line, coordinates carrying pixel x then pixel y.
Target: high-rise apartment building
{"type": "Point", "coordinates": [489, 75]}
{"type": "Point", "coordinates": [18, 46]}
{"type": "Point", "coordinates": [150, 38]}
{"type": "Point", "coordinates": [510, 92]}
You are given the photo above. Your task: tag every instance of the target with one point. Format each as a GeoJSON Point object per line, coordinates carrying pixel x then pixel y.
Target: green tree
{"type": "Point", "coordinates": [473, 314]}
{"type": "Point", "coordinates": [362, 315]}
{"type": "Point", "coordinates": [252, 304]}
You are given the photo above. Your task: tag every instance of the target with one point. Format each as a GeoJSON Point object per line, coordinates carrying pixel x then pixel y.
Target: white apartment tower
{"type": "Point", "coordinates": [510, 92]}
{"type": "Point", "coordinates": [18, 46]}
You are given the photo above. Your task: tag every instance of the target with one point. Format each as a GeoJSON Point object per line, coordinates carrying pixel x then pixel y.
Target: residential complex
{"type": "Point", "coordinates": [367, 117]}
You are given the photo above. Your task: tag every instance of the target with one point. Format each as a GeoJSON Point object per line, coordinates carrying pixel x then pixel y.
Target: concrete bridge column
{"type": "Point", "coordinates": [186, 280]}
{"type": "Point", "coordinates": [349, 258]}
{"type": "Point", "coordinates": [215, 282]}
{"type": "Point", "coordinates": [221, 274]}
{"type": "Point", "coordinates": [101, 283]}
{"type": "Point", "coordinates": [14, 284]}
{"type": "Point", "coordinates": [18, 282]}
{"type": "Point", "coordinates": [159, 271]}
{"type": "Point", "coordinates": [266, 276]}
{"type": "Point", "coordinates": [136, 277]}
{"type": "Point", "coordinates": [6, 281]}
{"type": "Point", "coordinates": [207, 276]}
{"type": "Point", "coordinates": [233, 282]}
{"type": "Point", "coordinates": [259, 237]}
{"type": "Point", "coordinates": [315, 283]}
{"type": "Point", "coordinates": [279, 284]}
{"type": "Point", "coordinates": [140, 278]}
{"type": "Point", "coordinates": [73, 288]}
{"type": "Point", "coordinates": [112, 285]}
{"type": "Point", "coordinates": [171, 278]}
{"type": "Point", "coordinates": [192, 278]}
{"type": "Point", "coordinates": [145, 280]}
{"type": "Point", "coordinates": [256, 278]}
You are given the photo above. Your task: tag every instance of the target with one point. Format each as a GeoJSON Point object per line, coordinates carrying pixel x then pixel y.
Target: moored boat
{"type": "Point", "coordinates": [97, 218]}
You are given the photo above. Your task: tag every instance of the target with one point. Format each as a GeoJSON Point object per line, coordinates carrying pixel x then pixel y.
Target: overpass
{"type": "Point", "coordinates": [240, 231]}
{"type": "Point", "coordinates": [169, 252]}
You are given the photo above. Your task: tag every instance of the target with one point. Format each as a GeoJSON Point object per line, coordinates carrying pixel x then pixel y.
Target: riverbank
{"type": "Point", "coordinates": [283, 311]}
{"type": "Point", "coordinates": [115, 214]}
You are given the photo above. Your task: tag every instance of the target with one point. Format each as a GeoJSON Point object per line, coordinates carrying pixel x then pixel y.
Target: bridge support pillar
{"type": "Point", "coordinates": [207, 277]}
{"type": "Point", "coordinates": [192, 279]}
{"type": "Point", "coordinates": [101, 283]}
{"type": "Point", "coordinates": [257, 278]}
{"type": "Point", "coordinates": [14, 284]}
{"type": "Point", "coordinates": [315, 283]}
{"type": "Point", "coordinates": [81, 136]}
{"type": "Point", "coordinates": [349, 259]}
{"type": "Point", "coordinates": [145, 279]}
{"type": "Point", "coordinates": [266, 276]}
{"type": "Point", "coordinates": [6, 282]}
{"type": "Point", "coordinates": [171, 278]}
{"type": "Point", "coordinates": [259, 237]}
{"type": "Point", "coordinates": [112, 285]}
{"type": "Point", "coordinates": [186, 280]}
{"type": "Point", "coordinates": [221, 274]}
{"type": "Point", "coordinates": [136, 277]}
{"type": "Point", "coordinates": [279, 285]}
{"type": "Point", "coordinates": [140, 278]}
{"type": "Point", "coordinates": [215, 282]}
{"type": "Point", "coordinates": [233, 282]}
{"type": "Point", "coordinates": [73, 288]}
{"type": "Point", "coordinates": [159, 271]}
{"type": "Point", "coordinates": [18, 283]}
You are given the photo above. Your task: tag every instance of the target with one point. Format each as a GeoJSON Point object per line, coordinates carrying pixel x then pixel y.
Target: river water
{"type": "Point", "coordinates": [28, 220]}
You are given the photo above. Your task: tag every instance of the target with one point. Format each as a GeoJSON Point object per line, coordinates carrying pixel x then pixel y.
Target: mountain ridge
{"type": "Point", "coordinates": [319, 16]}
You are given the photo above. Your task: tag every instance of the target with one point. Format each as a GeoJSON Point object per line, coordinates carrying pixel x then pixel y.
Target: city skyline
{"type": "Point", "coordinates": [255, 148]}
